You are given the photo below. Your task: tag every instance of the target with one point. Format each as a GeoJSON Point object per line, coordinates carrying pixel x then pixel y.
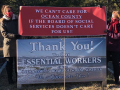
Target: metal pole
{"type": "Point", "coordinates": [64, 63]}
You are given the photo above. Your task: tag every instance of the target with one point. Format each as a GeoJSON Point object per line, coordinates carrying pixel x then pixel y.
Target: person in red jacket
{"type": "Point", "coordinates": [113, 43]}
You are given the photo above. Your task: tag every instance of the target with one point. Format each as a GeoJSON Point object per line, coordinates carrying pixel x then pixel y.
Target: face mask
{"type": "Point", "coordinates": [9, 14]}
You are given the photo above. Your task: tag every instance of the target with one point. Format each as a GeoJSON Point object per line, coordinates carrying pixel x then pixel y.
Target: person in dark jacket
{"type": "Point", "coordinates": [9, 30]}
{"type": "Point", "coordinates": [113, 43]}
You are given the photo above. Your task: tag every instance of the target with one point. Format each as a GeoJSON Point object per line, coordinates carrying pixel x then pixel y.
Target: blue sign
{"type": "Point", "coordinates": [43, 60]}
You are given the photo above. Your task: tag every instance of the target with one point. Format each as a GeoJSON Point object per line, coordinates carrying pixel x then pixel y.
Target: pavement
{"type": "Point", "coordinates": [110, 67]}
{"type": "Point", "coordinates": [2, 64]}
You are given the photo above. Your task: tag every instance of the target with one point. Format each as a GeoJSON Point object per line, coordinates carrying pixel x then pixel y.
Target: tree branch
{"type": "Point", "coordinates": [117, 3]}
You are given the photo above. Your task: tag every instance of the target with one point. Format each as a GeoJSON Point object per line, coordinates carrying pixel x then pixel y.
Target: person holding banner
{"type": "Point", "coordinates": [9, 30]}
{"type": "Point", "coordinates": [113, 43]}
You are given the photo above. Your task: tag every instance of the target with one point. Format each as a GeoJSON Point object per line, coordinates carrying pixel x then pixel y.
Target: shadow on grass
{"type": "Point", "coordinates": [110, 82]}
{"type": "Point", "coordinates": [60, 86]}
{"type": "Point", "coordinates": [82, 85]}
